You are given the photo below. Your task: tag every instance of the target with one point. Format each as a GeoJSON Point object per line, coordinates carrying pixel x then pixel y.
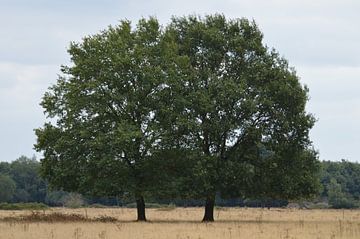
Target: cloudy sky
{"type": "Point", "coordinates": [319, 38]}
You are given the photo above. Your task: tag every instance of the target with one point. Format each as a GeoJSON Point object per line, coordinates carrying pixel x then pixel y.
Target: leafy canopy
{"type": "Point", "coordinates": [239, 111]}
{"type": "Point", "coordinates": [104, 136]}
{"type": "Point", "coordinates": [205, 92]}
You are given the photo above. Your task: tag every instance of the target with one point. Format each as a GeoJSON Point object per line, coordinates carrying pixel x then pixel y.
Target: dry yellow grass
{"type": "Point", "coordinates": [183, 223]}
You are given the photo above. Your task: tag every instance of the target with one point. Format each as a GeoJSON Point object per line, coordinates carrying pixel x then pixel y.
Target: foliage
{"type": "Point", "coordinates": [24, 172]}
{"type": "Point", "coordinates": [340, 182]}
{"type": "Point", "coordinates": [238, 111]}
{"type": "Point", "coordinates": [7, 188]}
{"type": "Point", "coordinates": [338, 179]}
{"type": "Point", "coordinates": [336, 197]}
{"type": "Point", "coordinates": [103, 105]}
{"type": "Point", "coordinates": [5, 168]}
{"type": "Point", "coordinates": [30, 187]}
{"type": "Point", "coordinates": [104, 138]}
{"type": "Point", "coordinates": [203, 101]}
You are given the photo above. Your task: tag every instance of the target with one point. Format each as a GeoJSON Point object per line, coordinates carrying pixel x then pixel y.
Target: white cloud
{"type": "Point", "coordinates": [19, 103]}
{"type": "Point", "coordinates": [335, 102]}
{"type": "Point", "coordinates": [23, 83]}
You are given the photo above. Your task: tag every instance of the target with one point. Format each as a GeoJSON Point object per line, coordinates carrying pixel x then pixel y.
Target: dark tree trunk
{"type": "Point", "coordinates": [209, 209]}
{"type": "Point", "coordinates": [140, 205]}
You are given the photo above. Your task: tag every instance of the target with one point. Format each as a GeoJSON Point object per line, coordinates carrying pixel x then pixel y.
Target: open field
{"type": "Point", "coordinates": [184, 223]}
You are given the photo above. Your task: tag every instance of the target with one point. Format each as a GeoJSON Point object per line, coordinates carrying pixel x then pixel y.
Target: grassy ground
{"type": "Point", "coordinates": [183, 223]}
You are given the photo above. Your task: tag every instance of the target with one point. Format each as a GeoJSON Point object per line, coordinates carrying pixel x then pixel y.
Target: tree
{"type": "Point", "coordinates": [103, 134]}
{"type": "Point", "coordinates": [7, 188]}
{"type": "Point", "coordinates": [202, 98]}
{"type": "Point", "coordinates": [4, 167]}
{"type": "Point", "coordinates": [239, 111]}
{"type": "Point", "coordinates": [30, 187]}
{"type": "Point", "coordinates": [340, 182]}
{"type": "Point", "coordinates": [336, 196]}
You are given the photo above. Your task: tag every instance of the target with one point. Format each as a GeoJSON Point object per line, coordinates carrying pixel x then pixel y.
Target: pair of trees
{"type": "Point", "coordinates": [197, 108]}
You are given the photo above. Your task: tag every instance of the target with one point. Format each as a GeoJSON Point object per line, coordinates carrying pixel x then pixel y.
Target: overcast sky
{"type": "Point", "coordinates": [320, 38]}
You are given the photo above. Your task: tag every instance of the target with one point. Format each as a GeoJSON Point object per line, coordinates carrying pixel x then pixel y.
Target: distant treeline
{"type": "Point", "coordinates": [20, 181]}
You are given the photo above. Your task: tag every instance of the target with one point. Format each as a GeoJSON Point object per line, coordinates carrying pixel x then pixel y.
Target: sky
{"type": "Point", "coordinates": [320, 39]}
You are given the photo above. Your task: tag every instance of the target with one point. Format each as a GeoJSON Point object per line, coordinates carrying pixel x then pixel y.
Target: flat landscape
{"type": "Point", "coordinates": [184, 223]}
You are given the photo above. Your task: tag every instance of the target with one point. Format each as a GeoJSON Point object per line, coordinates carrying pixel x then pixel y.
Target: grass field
{"type": "Point", "coordinates": [184, 223]}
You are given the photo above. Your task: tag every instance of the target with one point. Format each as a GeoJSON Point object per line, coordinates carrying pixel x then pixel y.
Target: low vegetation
{"type": "Point", "coordinates": [181, 223]}
{"type": "Point", "coordinates": [57, 217]}
{"type": "Point", "coordinates": [23, 206]}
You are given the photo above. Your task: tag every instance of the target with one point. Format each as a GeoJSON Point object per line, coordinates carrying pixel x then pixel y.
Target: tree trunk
{"type": "Point", "coordinates": [209, 209]}
{"type": "Point", "coordinates": [140, 205]}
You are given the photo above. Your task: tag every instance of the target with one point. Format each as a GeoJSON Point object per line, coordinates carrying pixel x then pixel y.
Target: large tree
{"type": "Point", "coordinates": [239, 111]}
{"type": "Point", "coordinates": [205, 93]}
{"type": "Point", "coordinates": [102, 134]}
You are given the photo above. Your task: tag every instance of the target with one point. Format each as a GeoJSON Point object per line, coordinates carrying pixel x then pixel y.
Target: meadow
{"type": "Point", "coordinates": [184, 223]}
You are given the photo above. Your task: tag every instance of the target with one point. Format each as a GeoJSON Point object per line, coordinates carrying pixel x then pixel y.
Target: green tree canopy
{"type": "Point", "coordinates": [104, 137]}
{"type": "Point", "coordinates": [239, 110]}
{"type": "Point", "coordinates": [202, 93]}
{"type": "Point", "coordinates": [30, 187]}
{"type": "Point", "coordinates": [7, 188]}
{"type": "Point", "coordinates": [341, 183]}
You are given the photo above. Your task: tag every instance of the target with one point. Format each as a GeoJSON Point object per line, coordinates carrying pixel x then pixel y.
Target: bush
{"type": "Point", "coordinates": [73, 200]}
{"type": "Point", "coordinates": [343, 203]}
{"type": "Point", "coordinates": [318, 205]}
{"type": "Point", "coordinates": [97, 205]}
